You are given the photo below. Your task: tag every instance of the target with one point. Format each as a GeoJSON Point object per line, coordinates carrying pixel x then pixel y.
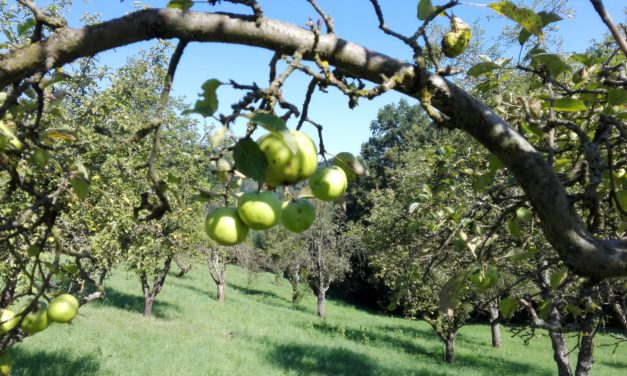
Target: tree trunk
{"type": "Point", "coordinates": [620, 314]}
{"type": "Point", "coordinates": [449, 345]}
{"type": "Point", "coordinates": [494, 324]}
{"type": "Point", "coordinates": [149, 301]}
{"type": "Point", "coordinates": [321, 303]}
{"type": "Point", "coordinates": [588, 331]}
{"type": "Point", "coordinates": [220, 290]}
{"type": "Point", "coordinates": [294, 278]}
{"type": "Point", "coordinates": [150, 294]}
{"type": "Point", "coordinates": [295, 298]}
{"type": "Point", "coordinates": [558, 342]}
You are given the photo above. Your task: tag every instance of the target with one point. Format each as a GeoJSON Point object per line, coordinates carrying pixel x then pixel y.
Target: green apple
{"type": "Point", "coordinates": [8, 321]}
{"type": "Point", "coordinates": [328, 183]}
{"type": "Point", "coordinates": [483, 277]}
{"type": "Point", "coordinates": [285, 166]}
{"type": "Point", "coordinates": [6, 363]}
{"type": "Point", "coordinates": [298, 215]}
{"type": "Point", "coordinates": [259, 211]}
{"type": "Point", "coordinates": [225, 226]}
{"type": "Point", "coordinates": [63, 308]}
{"type": "Point", "coordinates": [351, 166]}
{"type": "Point", "coordinates": [36, 320]}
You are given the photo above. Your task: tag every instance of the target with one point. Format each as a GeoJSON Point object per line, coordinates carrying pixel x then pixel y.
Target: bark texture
{"type": "Point", "coordinates": [578, 248]}
{"type": "Point", "coordinates": [449, 348]}
{"type": "Point", "coordinates": [494, 325]}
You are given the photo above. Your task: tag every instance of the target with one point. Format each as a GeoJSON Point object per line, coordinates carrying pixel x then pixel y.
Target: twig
{"type": "Point", "coordinates": [605, 17]}
{"type": "Point", "coordinates": [328, 21]}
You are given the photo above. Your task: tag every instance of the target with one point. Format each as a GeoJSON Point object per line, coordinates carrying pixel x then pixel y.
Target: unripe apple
{"type": "Point", "coordinates": [298, 215]}
{"type": "Point", "coordinates": [6, 363]}
{"type": "Point", "coordinates": [285, 166]}
{"type": "Point", "coordinates": [328, 183]}
{"type": "Point", "coordinates": [63, 308]}
{"type": "Point", "coordinates": [225, 226]}
{"type": "Point", "coordinates": [36, 320]}
{"type": "Point", "coordinates": [8, 321]}
{"type": "Point", "coordinates": [259, 211]}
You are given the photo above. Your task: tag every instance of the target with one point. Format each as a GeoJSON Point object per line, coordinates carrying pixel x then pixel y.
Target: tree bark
{"type": "Point", "coordinates": [220, 291]}
{"type": "Point", "coordinates": [585, 359]}
{"type": "Point", "coordinates": [561, 225]}
{"type": "Point", "coordinates": [560, 353]}
{"type": "Point", "coordinates": [449, 348]}
{"type": "Point", "coordinates": [295, 297]}
{"type": "Point", "coordinates": [620, 314]}
{"type": "Point", "coordinates": [321, 303]}
{"type": "Point", "coordinates": [494, 325]}
{"type": "Point", "coordinates": [149, 301]}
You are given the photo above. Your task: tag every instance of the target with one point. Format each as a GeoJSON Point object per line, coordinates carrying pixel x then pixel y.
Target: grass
{"type": "Point", "coordinates": [257, 331]}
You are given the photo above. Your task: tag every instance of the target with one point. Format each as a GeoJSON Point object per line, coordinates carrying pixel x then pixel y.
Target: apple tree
{"type": "Point", "coordinates": [45, 44]}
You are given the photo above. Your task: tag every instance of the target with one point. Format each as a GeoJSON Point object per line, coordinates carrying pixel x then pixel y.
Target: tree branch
{"type": "Point", "coordinates": [579, 249]}
{"type": "Point", "coordinates": [607, 20]}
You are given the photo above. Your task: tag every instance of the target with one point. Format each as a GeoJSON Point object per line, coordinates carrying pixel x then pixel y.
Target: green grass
{"type": "Point", "coordinates": [257, 331]}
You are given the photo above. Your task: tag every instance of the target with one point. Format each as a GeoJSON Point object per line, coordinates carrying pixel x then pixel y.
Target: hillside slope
{"type": "Point", "coordinates": [257, 331]}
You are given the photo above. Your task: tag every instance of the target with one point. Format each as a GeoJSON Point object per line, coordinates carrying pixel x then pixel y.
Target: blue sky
{"type": "Point", "coordinates": [344, 129]}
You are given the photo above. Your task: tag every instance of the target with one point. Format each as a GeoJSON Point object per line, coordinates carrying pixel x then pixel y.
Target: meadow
{"type": "Point", "coordinates": [257, 331]}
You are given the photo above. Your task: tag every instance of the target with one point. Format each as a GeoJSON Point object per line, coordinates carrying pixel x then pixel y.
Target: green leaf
{"type": "Point", "coordinates": [204, 196]}
{"type": "Point", "coordinates": [60, 135]}
{"type": "Point", "coordinates": [554, 63]}
{"type": "Point", "coordinates": [425, 8]}
{"type": "Point", "coordinates": [449, 294]}
{"type": "Point", "coordinates": [514, 228]}
{"type": "Point", "coordinates": [208, 104]}
{"type": "Point", "coordinates": [80, 187]}
{"type": "Point", "coordinates": [617, 97]}
{"type": "Point", "coordinates": [481, 182]}
{"type": "Point", "coordinates": [25, 26]}
{"type": "Point", "coordinates": [40, 157]}
{"type": "Point", "coordinates": [508, 306]}
{"type": "Point", "coordinates": [180, 4]}
{"type": "Point", "coordinates": [558, 277]}
{"type": "Point", "coordinates": [566, 105]}
{"type": "Point", "coordinates": [275, 125]}
{"type": "Point", "coordinates": [218, 136]}
{"type": "Point", "coordinates": [269, 122]}
{"type": "Point", "coordinates": [525, 17]}
{"type": "Point", "coordinates": [482, 68]}
{"type": "Point", "coordinates": [545, 307]}
{"type": "Point", "coordinates": [547, 18]}
{"type": "Point", "coordinates": [250, 160]}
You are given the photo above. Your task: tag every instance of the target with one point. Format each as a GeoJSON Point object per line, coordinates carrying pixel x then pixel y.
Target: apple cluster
{"type": "Point", "coordinates": [62, 309]}
{"type": "Point", "coordinates": [285, 166]}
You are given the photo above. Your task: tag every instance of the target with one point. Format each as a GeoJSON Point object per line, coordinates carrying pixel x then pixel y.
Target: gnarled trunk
{"type": "Point", "coordinates": [150, 294]}
{"type": "Point", "coordinates": [494, 324]}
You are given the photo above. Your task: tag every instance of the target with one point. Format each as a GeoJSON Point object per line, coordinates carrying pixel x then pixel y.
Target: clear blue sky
{"type": "Point", "coordinates": [344, 129]}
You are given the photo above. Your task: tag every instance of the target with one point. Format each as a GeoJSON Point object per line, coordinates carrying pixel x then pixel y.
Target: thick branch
{"type": "Point", "coordinates": [577, 247]}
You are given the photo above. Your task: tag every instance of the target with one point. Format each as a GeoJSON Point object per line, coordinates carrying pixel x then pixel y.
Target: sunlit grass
{"type": "Point", "coordinates": [257, 331]}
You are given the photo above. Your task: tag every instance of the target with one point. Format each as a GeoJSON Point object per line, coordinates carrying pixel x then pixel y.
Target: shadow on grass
{"type": "Point", "coordinates": [272, 299]}
{"type": "Point", "coordinates": [405, 339]}
{"type": "Point", "coordinates": [309, 359]}
{"type": "Point", "coordinates": [135, 303]}
{"type": "Point", "coordinates": [28, 363]}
